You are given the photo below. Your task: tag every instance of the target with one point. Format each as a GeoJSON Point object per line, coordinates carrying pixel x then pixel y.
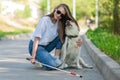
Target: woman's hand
{"type": "Point", "coordinates": [79, 42]}
{"type": "Point", "coordinates": [32, 60]}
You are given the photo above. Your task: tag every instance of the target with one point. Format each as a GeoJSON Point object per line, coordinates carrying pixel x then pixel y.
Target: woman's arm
{"type": "Point", "coordinates": [35, 46]}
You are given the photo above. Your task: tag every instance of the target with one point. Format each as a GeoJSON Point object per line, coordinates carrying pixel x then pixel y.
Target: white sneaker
{"type": "Point", "coordinates": [57, 60]}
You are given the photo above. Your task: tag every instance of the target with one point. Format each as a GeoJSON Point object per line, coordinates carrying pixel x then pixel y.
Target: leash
{"type": "Point", "coordinates": [68, 72]}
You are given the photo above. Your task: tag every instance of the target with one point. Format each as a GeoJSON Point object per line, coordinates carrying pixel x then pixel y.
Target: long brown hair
{"type": "Point", "coordinates": [68, 16]}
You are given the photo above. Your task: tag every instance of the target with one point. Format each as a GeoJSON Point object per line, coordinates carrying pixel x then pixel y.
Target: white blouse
{"type": "Point", "coordinates": [45, 30]}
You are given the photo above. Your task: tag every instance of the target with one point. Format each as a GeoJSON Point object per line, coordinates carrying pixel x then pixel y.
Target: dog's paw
{"type": "Point", "coordinates": [79, 67]}
{"type": "Point", "coordinates": [88, 66]}
{"type": "Point", "coordinates": [63, 66]}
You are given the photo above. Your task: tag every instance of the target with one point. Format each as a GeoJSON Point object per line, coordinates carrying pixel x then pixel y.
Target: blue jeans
{"type": "Point", "coordinates": [43, 52]}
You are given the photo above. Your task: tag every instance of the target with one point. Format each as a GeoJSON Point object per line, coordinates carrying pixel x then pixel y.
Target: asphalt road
{"type": "Point", "coordinates": [14, 66]}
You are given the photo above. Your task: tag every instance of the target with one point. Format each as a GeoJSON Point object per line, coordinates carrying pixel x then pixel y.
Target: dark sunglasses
{"type": "Point", "coordinates": [59, 12]}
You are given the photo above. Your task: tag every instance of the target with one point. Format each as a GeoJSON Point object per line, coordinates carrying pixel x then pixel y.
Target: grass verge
{"type": "Point", "coordinates": [106, 42]}
{"type": "Point", "coordinates": [3, 34]}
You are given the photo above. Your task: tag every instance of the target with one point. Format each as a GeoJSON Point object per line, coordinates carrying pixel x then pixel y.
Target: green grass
{"type": "Point", "coordinates": [9, 29]}
{"type": "Point", "coordinates": [3, 34]}
{"type": "Point", "coordinates": [106, 42]}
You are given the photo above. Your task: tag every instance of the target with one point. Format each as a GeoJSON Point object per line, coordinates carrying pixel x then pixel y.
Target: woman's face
{"type": "Point", "coordinates": [59, 13]}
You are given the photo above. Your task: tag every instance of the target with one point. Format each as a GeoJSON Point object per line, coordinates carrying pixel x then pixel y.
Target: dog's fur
{"type": "Point", "coordinates": [70, 54]}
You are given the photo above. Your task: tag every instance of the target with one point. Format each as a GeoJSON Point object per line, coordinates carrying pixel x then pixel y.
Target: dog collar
{"type": "Point", "coordinates": [71, 36]}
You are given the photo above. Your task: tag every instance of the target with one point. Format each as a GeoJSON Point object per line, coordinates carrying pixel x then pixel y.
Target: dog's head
{"type": "Point", "coordinates": [71, 28]}
{"type": "Point", "coordinates": [69, 24]}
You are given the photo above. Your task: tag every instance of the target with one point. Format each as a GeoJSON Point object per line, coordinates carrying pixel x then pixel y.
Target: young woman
{"type": "Point", "coordinates": [50, 34]}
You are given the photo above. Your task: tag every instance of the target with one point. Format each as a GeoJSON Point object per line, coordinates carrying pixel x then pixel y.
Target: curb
{"type": "Point", "coordinates": [107, 66]}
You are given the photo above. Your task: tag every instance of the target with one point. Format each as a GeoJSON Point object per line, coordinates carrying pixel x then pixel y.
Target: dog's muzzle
{"type": "Point", "coordinates": [68, 23]}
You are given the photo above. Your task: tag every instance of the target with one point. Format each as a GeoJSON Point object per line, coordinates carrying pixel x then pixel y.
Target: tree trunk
{"type": "Point", "coordinates": [116, 17]}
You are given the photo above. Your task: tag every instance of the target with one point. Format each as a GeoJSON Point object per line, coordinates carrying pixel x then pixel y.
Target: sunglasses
{"type": "Point", "coordinates": [59, 12]}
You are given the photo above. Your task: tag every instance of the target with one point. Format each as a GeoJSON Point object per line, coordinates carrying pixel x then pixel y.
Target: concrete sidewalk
{"type": "Point", "coordinates": [14, 66]}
